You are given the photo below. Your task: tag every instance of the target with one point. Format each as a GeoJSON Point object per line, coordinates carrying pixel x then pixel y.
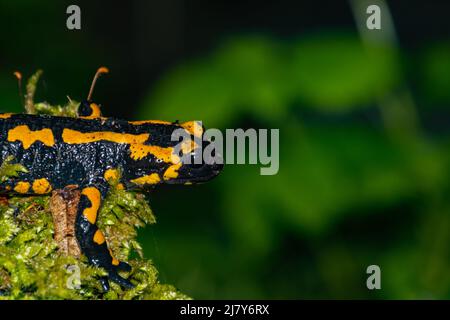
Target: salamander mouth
{"type": "Point", "coordinates": [196, 173]}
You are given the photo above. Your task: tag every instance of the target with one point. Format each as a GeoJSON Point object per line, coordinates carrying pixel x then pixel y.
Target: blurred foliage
{"type": "Point", "coordinates": [350, 192]}
{"type": "Point", "coordinates": [264, 77]}
{"type": "Point", "coordinates": [435, 71]}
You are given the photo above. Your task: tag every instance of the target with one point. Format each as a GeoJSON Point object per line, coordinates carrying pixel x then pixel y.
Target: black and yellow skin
{"type": "Point", "coordinates": [85, 152]}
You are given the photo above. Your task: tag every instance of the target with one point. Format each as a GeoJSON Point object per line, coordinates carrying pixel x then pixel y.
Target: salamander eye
{"type": "Point", "coordinates": [89, 110]}
{"type": "Point", "coordinates": [85, 110]}
{"type": "Point", "coordinates": [158, 160]}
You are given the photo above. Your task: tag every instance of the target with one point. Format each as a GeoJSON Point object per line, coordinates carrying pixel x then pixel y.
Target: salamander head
{"type": "Point", "coordinates": [173, 154]}
{"type": "Point", "coordinates": [196, 171]}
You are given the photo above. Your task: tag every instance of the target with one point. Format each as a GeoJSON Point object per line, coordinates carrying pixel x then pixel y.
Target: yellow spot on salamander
{"type": "Point", "coordinates": [22, 187]}
{"type": "Point", "coordinates": [5, 115]}
{"type": "Point", "coordinates": [41, 186]}
{"type": "Point", "coordinates": [148, 179]}
{"type": "Point", "coordinates": [96, 113]}
{"type": "Point", "coordinates": [137, 123]}
{"type": "Point", "coordinates": [172, 171]}
{"type": "Point", "coordinates": [99, 238]}
{"type": "Point", "coordinates": [28, 137]}
{"type": "Point", "coordinates": [94, 197]}
{"type": "Point", "coordinates": [76, 137]}
{"type": "Point", "coordinates": [114, 261]}
{"type": "Point", "coordinates": [95, 110]}
{"type": "Point", "coordinates": [193, 127]}
{"type": "Point", "coordinates": [188, 146]}
{"type": "Point", "coordinates": [112, 174]}
{"type": "Point", "coordinates": [139, 151]}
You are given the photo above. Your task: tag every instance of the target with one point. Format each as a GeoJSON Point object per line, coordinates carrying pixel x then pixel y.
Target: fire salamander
{"type": "Point", "coordinates": [85, 152]}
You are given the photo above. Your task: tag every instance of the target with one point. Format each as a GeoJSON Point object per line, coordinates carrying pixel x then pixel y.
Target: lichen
{"type": "Point", "coordinates": [32, 267]}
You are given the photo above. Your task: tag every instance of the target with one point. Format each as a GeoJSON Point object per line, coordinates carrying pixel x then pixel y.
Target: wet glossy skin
{"type": "Point", "coordinates": [86, 152]}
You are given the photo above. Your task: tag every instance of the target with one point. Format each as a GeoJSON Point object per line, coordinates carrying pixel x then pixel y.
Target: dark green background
{"type": "Point", "coordinates": [364, 135]}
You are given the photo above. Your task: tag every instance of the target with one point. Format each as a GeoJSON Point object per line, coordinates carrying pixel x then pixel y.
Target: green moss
{"type": "Point", "coordinates": [31, 267]}
{"type": "Point", "coordinates": [9, 169]}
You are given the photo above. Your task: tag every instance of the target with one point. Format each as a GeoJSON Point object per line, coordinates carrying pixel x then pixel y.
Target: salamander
{"type": "Point", "coordinates": [84, 152]}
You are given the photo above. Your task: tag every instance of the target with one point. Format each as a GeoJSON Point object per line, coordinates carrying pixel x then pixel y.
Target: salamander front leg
{"type": "Point", "coordinates": [92, 241]}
